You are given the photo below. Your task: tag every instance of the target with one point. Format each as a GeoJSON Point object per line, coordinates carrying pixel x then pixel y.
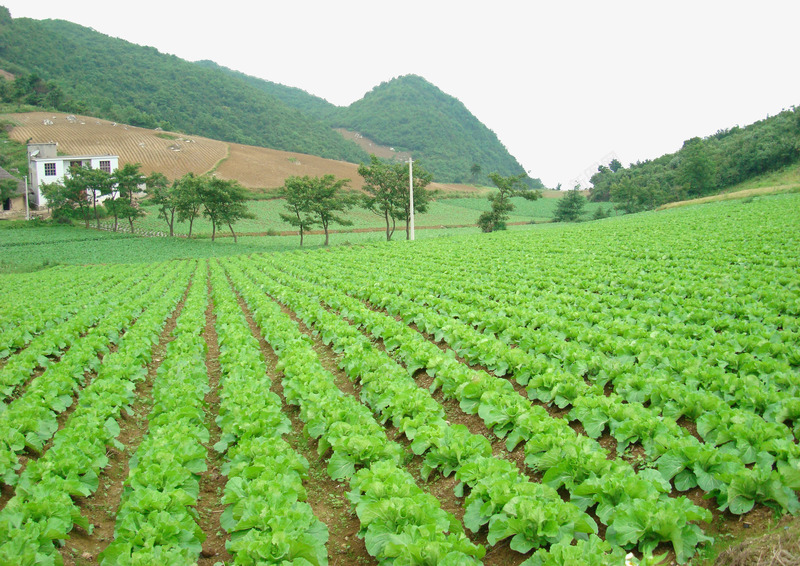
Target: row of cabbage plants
{"type": "Point", "coordinates": [156, 522]}
{"type": "Point", "coordinates": [42, 512]}
{"type": "Point", "coordinates": [400, 523]}
{"type": "Point", "coordinates": [267, 516]}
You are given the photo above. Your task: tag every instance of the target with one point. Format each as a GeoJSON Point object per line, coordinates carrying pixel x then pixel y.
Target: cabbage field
{"type": "Point", "coordinates": [612, 392]}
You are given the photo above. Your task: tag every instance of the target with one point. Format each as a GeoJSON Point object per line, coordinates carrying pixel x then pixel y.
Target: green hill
{"type": "Point", "coordinates": [704, 166]}
{"type": "Point", "coordinates": [121, 81]}
{"type": "Point", "coordinates": [410, 114]}
{"type": "Point", "coordinates": [68, 67]}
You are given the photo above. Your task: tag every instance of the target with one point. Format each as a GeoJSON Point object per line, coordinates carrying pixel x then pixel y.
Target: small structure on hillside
{"type": "Point", "coordinates": [45, 166]}
{"type": "Point", "coordinates": [16, 202]}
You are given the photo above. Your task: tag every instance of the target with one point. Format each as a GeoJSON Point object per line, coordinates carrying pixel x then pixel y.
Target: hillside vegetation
{"type": "Point", "coordinates": [704, 166]}
{"type": "Point", "coordinates": [76, 69]}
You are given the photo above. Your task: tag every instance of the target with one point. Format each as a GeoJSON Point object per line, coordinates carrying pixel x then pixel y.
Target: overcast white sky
{"type": "Point", "coordinates": [562, 84]}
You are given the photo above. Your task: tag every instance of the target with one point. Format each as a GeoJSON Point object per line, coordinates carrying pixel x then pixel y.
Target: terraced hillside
{"type": "Point", "coordinates": [175, 154]}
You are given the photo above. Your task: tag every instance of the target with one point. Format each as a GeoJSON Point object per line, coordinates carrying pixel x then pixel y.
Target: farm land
{"type": "Point", "coordinates": [557, 394]}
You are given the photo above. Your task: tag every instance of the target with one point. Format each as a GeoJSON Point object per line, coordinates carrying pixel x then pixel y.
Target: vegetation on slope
{"type": "Point", "coordinates": [703, 166]}
{"type": "Point", "coordinates": [137, 85]}
{"type": "Point", "coordinates": [411, 114]}
{"type": "Point", "coordinates": [78, 70]}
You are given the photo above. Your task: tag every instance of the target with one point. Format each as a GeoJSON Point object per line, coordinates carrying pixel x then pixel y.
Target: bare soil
{"type": "Point", "coordinates": [212, 482]}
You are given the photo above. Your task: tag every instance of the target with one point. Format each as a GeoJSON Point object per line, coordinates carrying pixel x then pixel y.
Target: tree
{"type": "Point", "coordinates": [570, 206]}
{"type": "Point", "coordinates": [94, 182]}
{"type": "Point", "coordinates": [298, 197]}
{"type": "Point", "coordinates": [507, 187]}
{"type": "Point", "coordinates": [163, 195]}
{"type": "Point", "coordinates": [319, 200]}
{"type": "Point", "coordinates": [696, 171]}
{"type": "Point", "coordinates": [127, 181]}
{"type": "Point", "coordinates": [380, 184]}
{"type": "Point", "coordinates": [386, 185]}
{"type": "Point", "coordinates": [329, 201]}
{"type": "Point", "coordinates": [188, 200]}
{"type": "Point", "coordinates": [223, 203]}
{"type": "Point", "coordinates": [475, 170]}
{"type": "Point", "coordinates": [67, 200]}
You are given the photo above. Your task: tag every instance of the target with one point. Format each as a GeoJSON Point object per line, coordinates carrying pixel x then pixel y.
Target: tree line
{"type": "Point", "coordinates": [320, 201]}
{"type": "Point", "coordinates": [222, 202]}
{"type": "Point", "coordinates": [309, 202]}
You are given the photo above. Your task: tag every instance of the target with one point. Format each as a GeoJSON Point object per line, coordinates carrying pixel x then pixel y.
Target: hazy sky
{"type": "Point", "coordinates": [562, 84]}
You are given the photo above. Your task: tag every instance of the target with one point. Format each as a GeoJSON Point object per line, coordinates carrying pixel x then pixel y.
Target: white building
{"type": "Point", "coordinates": [45, 166]}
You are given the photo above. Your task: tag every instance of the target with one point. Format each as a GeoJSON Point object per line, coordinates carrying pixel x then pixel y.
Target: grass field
{"type": "Point", "coordinates": [29, 249]}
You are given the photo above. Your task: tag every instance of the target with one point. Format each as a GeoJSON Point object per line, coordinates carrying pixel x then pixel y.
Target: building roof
{"type": "Point", "coordinates": [6, 175]}
{"type": "Point", "coordinates": [72, 157]}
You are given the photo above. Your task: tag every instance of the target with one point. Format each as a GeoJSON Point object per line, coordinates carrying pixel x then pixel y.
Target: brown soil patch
{"type": "Point", "coordinates": [172, 154]}
{"type": "Point", "coordinates": [212, 482]}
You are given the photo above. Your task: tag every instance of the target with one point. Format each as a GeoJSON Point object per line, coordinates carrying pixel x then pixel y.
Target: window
{"type": "Point", "coordinates": [50, 169]}
{"type": "Point", "coordinates": [75, 164]}
{"type": "Point", "coordinates": [105, 166]}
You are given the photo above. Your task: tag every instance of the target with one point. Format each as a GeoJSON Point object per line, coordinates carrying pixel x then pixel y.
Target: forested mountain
{"type": "Point", "coordinates": [310, 105]}
{"type": "Point", "coordinates": [703, 166]}
{"type": "Point", "coordinates": [118, 80]}
{"type": "Point", "coordinates": [411, 114]}
{"type": "Point", "coordinates": [64, 66]}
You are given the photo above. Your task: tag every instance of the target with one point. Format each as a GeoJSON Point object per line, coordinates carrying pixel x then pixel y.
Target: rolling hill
{"type": "Point", "coordinates": [115, 80]}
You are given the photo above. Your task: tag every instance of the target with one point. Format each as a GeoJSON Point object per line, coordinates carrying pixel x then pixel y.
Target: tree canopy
{"type": "Point", "coordinates": [570, 206]}
{"type": "Point", "coordinates": [313, 201]}
{"type": "Point", "coordinates": [223, 203]}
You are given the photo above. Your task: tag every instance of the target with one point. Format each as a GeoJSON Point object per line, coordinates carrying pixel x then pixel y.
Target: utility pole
{"type": "Point", "coordinates": [410, 199]}
{"type": "Point", "coordinates": [27, 207]}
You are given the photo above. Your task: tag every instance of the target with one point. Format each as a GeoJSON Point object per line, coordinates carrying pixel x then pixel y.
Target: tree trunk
{"type": "Point", "coordinates": [96, 218]}
{"type": "Point", "coordinates": [232, 232]}
{"type": "Point", "coordinates": [386, 216]}
{"type": "Point", "coordinates": [213, 230]}
{"type": "Point", "coordinates": [171, 223]}
{"type": "Point", "coordinates": [300, 225]}
{"type": "Point", "coordinates": [325, 227]}
{"type": "Point", "coordinates": [191, 221]}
